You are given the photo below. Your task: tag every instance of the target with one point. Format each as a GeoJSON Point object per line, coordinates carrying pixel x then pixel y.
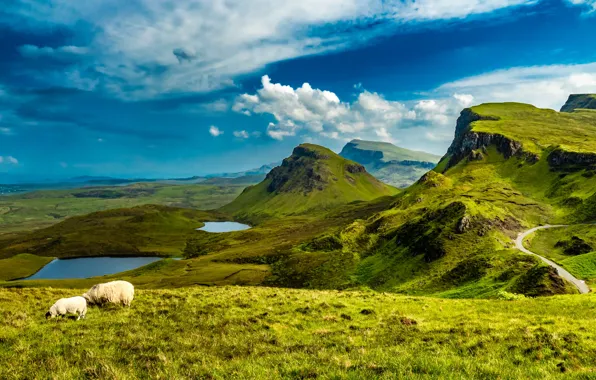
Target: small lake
{"type": "Point", "coordinates": [218, 227]}
{"type": "Point", "coordinates": [86, 267]}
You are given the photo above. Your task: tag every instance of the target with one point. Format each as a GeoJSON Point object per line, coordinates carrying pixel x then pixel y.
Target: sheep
{"type": "Point", "coordinates": [117, 292]}
{"type": "Point", "coordinates": [74, 305]}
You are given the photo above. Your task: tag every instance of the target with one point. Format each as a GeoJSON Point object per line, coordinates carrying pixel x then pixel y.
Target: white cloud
{"type": "Point", "coordinates": [214, 131]}
{"type": "Point", "coordinates": [158, 47]}
{"type": "Point", "coordinates": [62, 52]}
{"type": "Point", "coordinates": [465, 100]}
{"type": "Point", "coordinates": [369, 116]}
{"type": "Point", "coordinates": [5, 131]}
{"type": "Point", "coordinates": [241, 134]}
{"type": "Point", "coordinates": [542, 86]}
{"type": "Point", "coordinates": [589, 4]}
{"type": "Point", "coordinates": [8, 160]}
{"type": "Point", "coordinates": [100, 140]}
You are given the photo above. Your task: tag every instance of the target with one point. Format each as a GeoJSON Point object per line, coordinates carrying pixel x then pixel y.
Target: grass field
{"type": "Point", "coordinates": [551, 243]}
{"type": "Point", "coordinates": [538, 128]}
{"type": "Point", "coordinates": [44, 208]}
{"type": "Point", "coordinates": [21, 266]}
{"type": "Point", "coordinates": [265, 333]}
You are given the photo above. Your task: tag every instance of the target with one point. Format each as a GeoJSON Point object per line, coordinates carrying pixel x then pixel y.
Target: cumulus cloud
{"type": "Point", "coordinates": [369, 116]}
{"type": "Point", "coordinates": [214, 131]}
{"type": "Point", "coordinates": [542, 86]}
{"type": "Point", "coordinates": [139, 50]}
{"type": "Point", "coordinates": [590, 5]}
{"type": "Point", "coordinates": [241, 134]}
{"type": "Point", "coordinates": [8, 160]}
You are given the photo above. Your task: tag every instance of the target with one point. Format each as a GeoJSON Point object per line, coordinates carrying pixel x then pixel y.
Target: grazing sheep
{"type": "Point", "coordinates": [118, 292]}
{"type": "Point", "coordinates": [74, 305]}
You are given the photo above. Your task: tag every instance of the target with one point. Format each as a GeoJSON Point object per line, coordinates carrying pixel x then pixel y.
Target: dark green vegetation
{"type": "Point", "coordinates": [312, 179]}
{"type": "Point", "coordinates": [24, 212]}
{"type": "Point", "coordinates": [21, 266]}
{"type": "Point", "coordinates": [138, 231]}
{"type": "Point", "coordinates": [574, 248]}
{"type": "Point", "coordinates": [265, 333]}
{"type": "Point", "coordinates": [580, 101]}
{"type": "Point", "coordinates": [391, 164]}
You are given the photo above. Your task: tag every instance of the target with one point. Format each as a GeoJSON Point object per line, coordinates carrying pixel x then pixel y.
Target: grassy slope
{"type": "Point", "coordinates": [537, 129]}
{"type": "Point", "coordinates": [263, 254]}
{"type": "Point", "coordinates": [414, 247]}
{"type": "Point", "coordinates": [141, 230]}
{"type": "Point", "coordinates": [21, 266]}
{"type": "Point", "coordinates": [582, 266]}
{"type": "Point", "coordinates": [295, 198]}
{"type": "Point", "coordinates": [43, 208]}
{"type": "Point", "coordinates": [264, 333]}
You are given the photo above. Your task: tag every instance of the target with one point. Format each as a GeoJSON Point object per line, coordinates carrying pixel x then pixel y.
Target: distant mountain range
{"type": "Point", "coordinates": [391, 164]}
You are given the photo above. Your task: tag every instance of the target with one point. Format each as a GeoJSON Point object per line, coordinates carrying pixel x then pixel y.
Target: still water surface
{"type": "Point", "coordinates": [90, 267]}
{"type": "Point", "coordinates": [223, 227]}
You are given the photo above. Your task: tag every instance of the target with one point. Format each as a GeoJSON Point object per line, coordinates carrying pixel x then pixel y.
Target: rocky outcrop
{"type": "Point", "coordinates": [298, 172]}
{"type": "Point", "coordinates": [355, 168]}
{"type": "Point", "coordinates": [561, 159]}
{"type": "Point", "coordinates": [578, 101]}
{"type": "Point", "coordinates": [467, 143]}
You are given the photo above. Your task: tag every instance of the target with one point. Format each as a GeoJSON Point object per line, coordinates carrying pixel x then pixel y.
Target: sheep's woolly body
{"type": "Point", "coordinates": [118, 292]}
{"type": "Point", "coordinates": [74, 305]}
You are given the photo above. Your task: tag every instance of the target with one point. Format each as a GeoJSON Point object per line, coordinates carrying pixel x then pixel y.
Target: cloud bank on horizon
{"type": "Point", "coordinates": [149, 73]}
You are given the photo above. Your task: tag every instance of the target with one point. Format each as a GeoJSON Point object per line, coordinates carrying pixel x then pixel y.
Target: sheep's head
{"type": "Point", "coordinates": [48, 315]}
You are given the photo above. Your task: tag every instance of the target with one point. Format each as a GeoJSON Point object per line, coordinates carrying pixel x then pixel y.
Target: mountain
{"type": "Point", "coordinates": [391, 164]}
{"type": "Point", "coordinates": [312, 178]}
{"type": "Point", "coordinates": [510, 167]}
{"type": "Point", "coordinates": [264, 169]}
{"type": "Point", "coordinates": [579, 101]}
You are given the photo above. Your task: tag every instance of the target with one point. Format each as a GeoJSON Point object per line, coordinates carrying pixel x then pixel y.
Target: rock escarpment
{"type": "Point", "coordinates": [469, 144]}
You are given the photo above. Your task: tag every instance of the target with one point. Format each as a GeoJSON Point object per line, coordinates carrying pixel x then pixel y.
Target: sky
{"type": "Point", "coordinates": [175, 88]}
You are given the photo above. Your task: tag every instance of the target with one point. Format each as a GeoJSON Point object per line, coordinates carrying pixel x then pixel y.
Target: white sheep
{"type": "Point", "coordinates": [74, 305]}
{"type": "Point", "coordinates": [118, 292]}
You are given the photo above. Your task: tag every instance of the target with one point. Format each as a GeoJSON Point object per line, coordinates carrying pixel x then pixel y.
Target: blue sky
{"type": "Point", "coordinates": [149, 88]}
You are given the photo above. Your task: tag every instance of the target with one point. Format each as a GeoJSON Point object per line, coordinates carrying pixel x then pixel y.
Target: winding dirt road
{"type": "Point", "coordinates": [519, 243]}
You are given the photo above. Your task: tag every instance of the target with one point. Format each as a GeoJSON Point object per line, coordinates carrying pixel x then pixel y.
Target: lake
{"type": "Point", "coordinates": [90, 267]}
{"type": "Point", "coordinates": [218, 227]}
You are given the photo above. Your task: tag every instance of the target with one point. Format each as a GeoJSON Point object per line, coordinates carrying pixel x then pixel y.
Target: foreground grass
{"type": "Point", "coordinates": [21, 266]}
{"type": "Point", "coordinates": [258, 333]}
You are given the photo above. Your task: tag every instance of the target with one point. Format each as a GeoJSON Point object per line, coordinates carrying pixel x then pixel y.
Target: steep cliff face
{"type": "Point", "coordinates": [579, 101]}
{"type": "Point", "coordinates": [469, 144]}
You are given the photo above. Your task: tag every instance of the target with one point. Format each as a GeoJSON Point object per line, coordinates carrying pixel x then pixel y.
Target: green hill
{"type": "Point", "coordinates": [312, 179]}
{"type": "Point", "coordinates": [510, 167]}
{"type": "Point", "coordinates": [391, 164]}
{"type": "Point", "coordinates": [579, 101]}
{"type": "Point", "coordinates": [137, 231]}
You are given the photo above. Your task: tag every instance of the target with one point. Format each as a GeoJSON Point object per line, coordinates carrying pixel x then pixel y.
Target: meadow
{"type": "Point", "coordinates": [24, 212]}
{"type": "Point", "coordinates": [579, 260]}
{"type": "Point", "coordinates": [270, 333]}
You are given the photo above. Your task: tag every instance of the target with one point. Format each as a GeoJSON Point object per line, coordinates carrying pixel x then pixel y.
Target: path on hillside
{"type": "Point", "coordinates": [519, 243]}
